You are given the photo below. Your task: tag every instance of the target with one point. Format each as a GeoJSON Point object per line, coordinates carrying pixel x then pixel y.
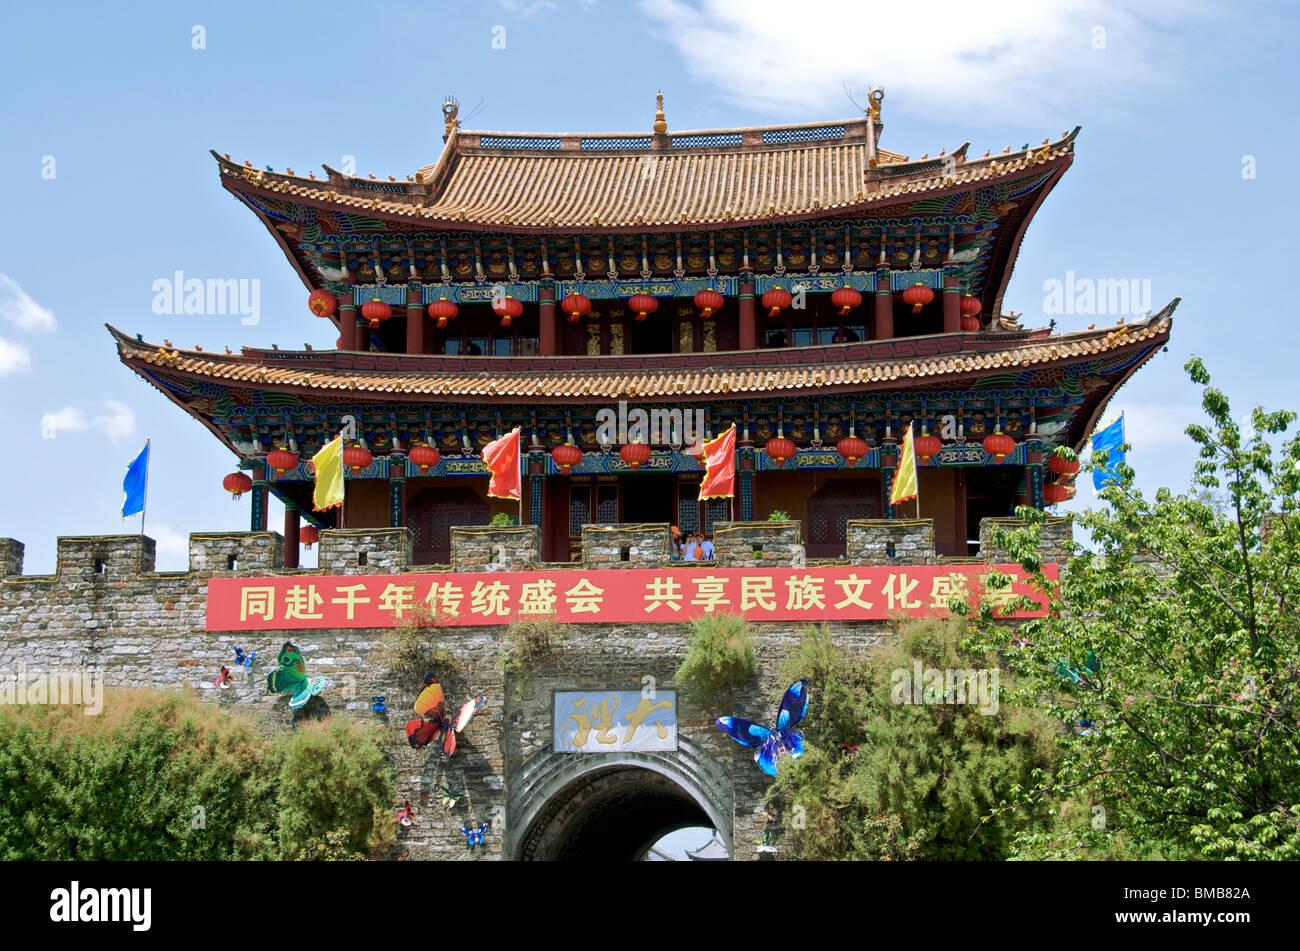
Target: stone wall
{"type": "Point", "coordinates": [1055, 538]}
{"type": "Point", "coordinates": [874, 541]}
{"type": "Point", "coordinates": [106, 611]}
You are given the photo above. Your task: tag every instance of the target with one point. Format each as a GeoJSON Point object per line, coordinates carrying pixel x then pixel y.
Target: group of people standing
{"type": "Point", "coordinates": [693, 546]}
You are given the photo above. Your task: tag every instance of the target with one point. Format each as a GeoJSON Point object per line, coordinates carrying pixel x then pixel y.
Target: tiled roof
{"type": "Point", "coordinates": [573, 185]}
{"type": "Point", "coordinates": [661, 383]}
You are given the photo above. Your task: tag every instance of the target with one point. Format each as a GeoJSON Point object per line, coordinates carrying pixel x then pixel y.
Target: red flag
{"type": "Point", "coordinates": [502, 458]}
{"type": "Point", "coordinates": [720, 466]}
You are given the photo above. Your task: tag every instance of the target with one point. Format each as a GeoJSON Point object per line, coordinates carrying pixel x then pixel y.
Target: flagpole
{"type": "Point", "coordinates": [144, 500]}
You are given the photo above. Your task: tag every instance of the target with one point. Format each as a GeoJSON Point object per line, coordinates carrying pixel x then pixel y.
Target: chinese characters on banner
{"type": "Point", "coordinates": [605, 721]}
{"type": "Point", "coordinates": [647, 595]}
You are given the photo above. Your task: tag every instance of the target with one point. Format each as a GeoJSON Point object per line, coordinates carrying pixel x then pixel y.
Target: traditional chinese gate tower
{"type": "Point", "coordinates": [800, 281]}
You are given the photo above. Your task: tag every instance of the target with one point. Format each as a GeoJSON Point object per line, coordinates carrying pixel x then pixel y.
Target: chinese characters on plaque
{"type": "Point", "coordinates": [607, 721]}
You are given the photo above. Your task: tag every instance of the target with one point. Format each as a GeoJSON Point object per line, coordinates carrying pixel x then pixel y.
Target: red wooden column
{"type": "Point", "coordinates": [348, 321]}
{"type": "Point", "coordinates": [549, 329]}
{"type": "Point", "coordinates": [882, 320]}
{"type": "Point", "coordinates": [414, 320]}
{"type": "Point", "coordinates": [291, 522]}
{"type": "Point", "coordinates": [951, 304]}
{"type": "Point", "coordinates": [748, 321]}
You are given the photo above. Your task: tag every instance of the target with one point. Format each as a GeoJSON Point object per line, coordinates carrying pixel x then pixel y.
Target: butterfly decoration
{"type": "Point", "coordinates": [1087, 728]}
{"type": "Point", "coordinates": [780, 739]}
{"type": "Point", "coordinates": [475, 836]}
{"type": "Point", "coordinates": [433, 721]}
{"type": "Point", "coordinates": [1091, 667]}
{"type": "Point", "coordinates": [223, 679]}
{"type": "Point", "coordinates": [378, 705]}
{"type": "Point", "coordinates": [406, 815]}
{"type": "Point", "coordinates": [244, 660]}
{"type": "Point", "coordinates": [849, 751]}
{"type": "Point", "coordinates": [291, 678]}
{"type": "Point", "coordinates": [449, 799]}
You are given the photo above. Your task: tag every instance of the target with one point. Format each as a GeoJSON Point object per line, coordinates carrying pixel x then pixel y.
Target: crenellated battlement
{"type": "Point", "coordinates": [121, 558]}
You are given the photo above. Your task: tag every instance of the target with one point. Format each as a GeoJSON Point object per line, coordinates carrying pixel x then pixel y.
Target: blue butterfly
{"type": "Point", "coordinates": [378, 705]}
{"type": "Point", "coordinates": [242, 659]}
{"type": "Point", "coordinates": [475, 836]}
{"type": "Point", "coordinates": [781, 739]}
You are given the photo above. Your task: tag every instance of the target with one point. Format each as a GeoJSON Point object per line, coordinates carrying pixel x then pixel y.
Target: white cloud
{"type": "Point", "coordinates": [14, 357]}
{"type": "Point", "coordinates": [116, 422]}
{"type": "Point", "coordinates": [525, 9]}
{"type": "Point", "coordinates": [172, 548]}
{"type": "Point", "coordinates": [1152, 425]}
{"type": "Point", "coordinates": [1023, 60]}
{"type": "Point", "coordinates": [17, 306]}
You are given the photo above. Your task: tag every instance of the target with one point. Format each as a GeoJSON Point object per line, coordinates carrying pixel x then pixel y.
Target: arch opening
{"type": "Point", "coordinates": [613, 813]}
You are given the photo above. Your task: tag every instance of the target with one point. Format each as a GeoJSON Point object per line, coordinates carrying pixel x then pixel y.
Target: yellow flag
{"type": "Point", "coordinates": [905, 477]}
{"type": "Point", "coordinates": [328, 464]}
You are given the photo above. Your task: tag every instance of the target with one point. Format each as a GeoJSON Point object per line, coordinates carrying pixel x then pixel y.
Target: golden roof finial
{"type": "Point", "coordinates": [875, 97]}
{"type": "Point", "coordinates": [450, 108]}
{"type": "Point", "coordinates": [661, 124]}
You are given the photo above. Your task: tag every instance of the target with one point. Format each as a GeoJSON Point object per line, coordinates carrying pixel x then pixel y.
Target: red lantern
{"type": "Point", "coordinates": [576, 306]}
{"type": "Point", "coordinates": [776, 300]}
{"type": "Point", "coordinates": [357, 458]}
{"type": "Point", "coordinates": [281, 460]}
{"type": "Point", "coordinates": [643, 304]}
{"type": "Point", "coordinates": [846, 298]}
{"type": "Point", "coordinates": [237, 483]}
{"type": "Point", "coordinates": [999, 446]}
{"type": "Point", "coordinates": [851, 448]}
{"type": "Point", "coordinates": [1054, 493]}
{"type": "Point", "coordinates": [970, 324]}
{"type": "Point", "coordinates": [375, 312]}
{"type": "Point", "coordinates": [708, 301]}
{"type": "Point", "coordinates": [566, 457]}
{"type": "Point", "coordinates": [443, 310]}
{"type": "Point", "coordinates": [970, 305]}
{"type": "Point", "coordinates": [1063, 466]}
{"type": "Point", "coordinates": [308, 535]}
{"type": "Point", "coordinates": [918, 295]}
{"type": "Point", "coordinates": [926, 446]}
{"type": "Point", "coordinates": [322, 303]}
{"type": "Point", "coordinates": [635, 453]}
{"type": "Point", "coordinates": [778, 447]}
{"type": "Point", "coordinates": [424, 457]}
{"type": "Point", "coordinates": [507, 308]}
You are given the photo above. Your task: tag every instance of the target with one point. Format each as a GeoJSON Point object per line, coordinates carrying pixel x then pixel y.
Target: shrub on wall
{"type": "Point", "coordinates": [161, 775]}
{"type": "Point", "coordinates": [941, 766]}
{"type": "Point", "coordinates": [719, 659]}
{"type": "Point", "coordinates": [526, 643]}
{"type": "Point", "coordinates": [407, 651]}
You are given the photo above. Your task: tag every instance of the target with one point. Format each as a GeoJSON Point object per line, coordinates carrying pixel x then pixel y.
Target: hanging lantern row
{"type": "Point", "coordinates": [566, 457]}
{"type": "Point", "coordinates": [424, 457]}
{"type": "Point", "coordinates": [375, 313]}
{"type": "Point", "coordinates": [507, 308]}
{"type": "Point", "coordinates": [709, 302]}
{"type": "Point", "coordinates": [1063, 465]}
{"type": "Point", "coordinates": [1055, 493]}
{"type": "Point", "coordinates": [443, 310]}
{"type": "Point", "coordinates": [926, 446]}
{"type": "Point", "coordinates": [282, 460]}
{"type": "Point", "coordinates": [357, 458]}
{"type": "Point", "coordinates": [776, 300]}
{"type": "Point", "coordinates": [851, 448]}
{"type": "Point", "coordinates": [308, 535]}
{"type": "Point", "coordinates": [576, 306]}
{"type": "Point", "coordinates": [635, 453]}
{"type": "Point", "coordinates": [918, 295]}
{"type": "Point", "coordinates": [322, 303]}
{"type": "Point", "coordinates": [780, 449]}
{"type": "Point", "coordinates": [999, 445]}
{"type": "Point", "coordinates": [643, 304]}
{"type": "Point", "coordinates": [237, 483]}
{"type": "Point", "coordinates": [846, 298]}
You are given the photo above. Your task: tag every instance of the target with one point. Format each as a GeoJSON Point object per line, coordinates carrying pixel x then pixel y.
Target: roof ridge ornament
{"type": "Point", "coordinates": [661, 123]}
{"type": "Point", "coordinates": [450, 109]}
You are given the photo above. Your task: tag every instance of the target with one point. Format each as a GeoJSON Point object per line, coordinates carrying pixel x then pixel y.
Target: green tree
{"type": "Point", "coordinates": [1189, 608]}
{"type": "Point", "coordinates": [719, 659]}
{"type": "Point", "coordinates": [884, 777]}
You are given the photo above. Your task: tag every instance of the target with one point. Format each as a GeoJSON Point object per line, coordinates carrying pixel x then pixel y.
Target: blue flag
{"type": "Point", "coordinates": [137, 476]}
{"type": "Point", "coordinates": [1109, 441]}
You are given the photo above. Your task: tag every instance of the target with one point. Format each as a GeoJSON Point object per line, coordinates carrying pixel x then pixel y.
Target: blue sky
{"type": "Point", "coordinates": [1175, 102]}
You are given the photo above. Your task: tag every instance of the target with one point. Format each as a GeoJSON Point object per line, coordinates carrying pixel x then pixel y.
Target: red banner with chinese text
{"type": "Point", "coordinates": [644, 596]}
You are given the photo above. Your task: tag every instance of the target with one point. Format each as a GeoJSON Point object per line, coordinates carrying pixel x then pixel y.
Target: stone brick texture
{"type": "Point", "coordinates": [107, 611]}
